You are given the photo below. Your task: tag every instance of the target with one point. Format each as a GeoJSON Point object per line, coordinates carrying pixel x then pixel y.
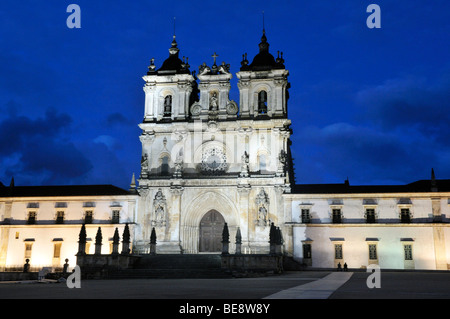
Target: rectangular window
{"type": "Point", "coordinates": [28, 247]}
{"type": "Point", "coordinates": [307, 251]}
{"type": "Point", "coordinates": [31, 217]}
{"type": "Point", "coordinates": [60, 217]}
{"type": "Point", "coordinates": [338, 251]}
{"type": "Point", "coordinates": [306, 218]}
{"type": "Point", "coordinates": [370, 215]}
{"type": "Point", "coordinates": [405, 215]}
{"type": "Point", "coordinates": [88, 217]}
{"type": "Point", "coordinates": [337, 216]}
{"type": "Point", "coordinates": [408, 252]}
{"type": "Point", "coordinates": [373, 252]}
{"type": "Point", "coordinates": [115, 216]}
{"type": "Point", "coordinates": [57, 250]}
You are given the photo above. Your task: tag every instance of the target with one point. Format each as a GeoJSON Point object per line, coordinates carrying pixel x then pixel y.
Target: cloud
{"type": "Point", "coordinates": [411, 103]}
{"type": "Point", "coordinates": [117, 119]}
{"type": "Point", "coordinates": [39, 151]}
{"type": "Point", "coordinates": [365, 154]}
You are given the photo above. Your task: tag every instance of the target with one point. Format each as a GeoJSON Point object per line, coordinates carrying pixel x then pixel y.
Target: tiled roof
{"type": "Point", "coordinates": [63, 190]}
{"type": "Point", "coordinates": [422, 186]}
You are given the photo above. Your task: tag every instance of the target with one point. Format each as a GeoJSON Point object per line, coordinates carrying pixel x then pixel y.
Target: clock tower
{"type": "Point", "coordinates": [207, 160]}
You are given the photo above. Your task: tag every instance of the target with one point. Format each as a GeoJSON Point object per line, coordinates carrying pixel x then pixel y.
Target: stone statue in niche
{"type": "Point", "coordinates": [214, 102]}
{"type": "Point", "coordinates": [262, 216]}
{"type": "Point", "coordinates": [159, 209]}
{"type": "Point", "coordinates": [144, 165]}
{"type": "Point", "coordinates": [262, 203]}
{"type": "Point", "coordinates": [178, 172]}
{"type": "Point", "coordinates": [245, 164]}
{"type": "Point", "coordinates": [282, 163]}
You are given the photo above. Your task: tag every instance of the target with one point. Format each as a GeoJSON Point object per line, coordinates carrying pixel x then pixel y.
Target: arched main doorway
{"type": "Point", "coordinates": [211, 227]}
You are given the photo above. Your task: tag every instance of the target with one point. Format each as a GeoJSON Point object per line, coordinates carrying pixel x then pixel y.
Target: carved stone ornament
{"type": "Point", "coordinates": [214, 161]}
{"type": "Point", "coordinates": [232, 108]}
{"type": "Point", "coordinates": [159, 209]}
{"type": "Point", "coordinates": [196, 109]}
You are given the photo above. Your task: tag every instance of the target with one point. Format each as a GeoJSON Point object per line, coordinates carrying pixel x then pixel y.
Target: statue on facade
{"type": "Point", "coordinates": [224, 68]}
{"type": "Point", "coordinates": [203, 69]}
{"type": "Point", "coordinates": [214, 102]}
{"type": "Point", "coordinates": [144, 165]}
{"type": "Point", "coordinates": [262, 202]}
{"type": "Point", "coordinates": [159, 209]}
{"type": "Point", "coordinates": [245, 165]}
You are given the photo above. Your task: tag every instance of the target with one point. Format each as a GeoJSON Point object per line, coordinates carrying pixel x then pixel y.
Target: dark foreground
{"type": "Point", "coordinates": [394, 285]}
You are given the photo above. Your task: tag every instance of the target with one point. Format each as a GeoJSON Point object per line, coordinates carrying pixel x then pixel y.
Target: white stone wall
{"type": "Point", "coordinates": [45, 232]}
{"type": "Point", "coordinates": [430, 247]}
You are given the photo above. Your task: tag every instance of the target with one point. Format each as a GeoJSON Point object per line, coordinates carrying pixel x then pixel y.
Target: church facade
{"type": "Point", "coordinates": [208, 161]}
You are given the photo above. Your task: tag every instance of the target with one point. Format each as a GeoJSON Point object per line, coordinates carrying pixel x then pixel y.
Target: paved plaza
{"type": "Point", "coordinates": [291, 285]}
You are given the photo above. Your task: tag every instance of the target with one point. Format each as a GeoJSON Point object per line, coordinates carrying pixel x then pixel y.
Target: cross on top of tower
{"type": "Point", "coordinates": [214, 56]}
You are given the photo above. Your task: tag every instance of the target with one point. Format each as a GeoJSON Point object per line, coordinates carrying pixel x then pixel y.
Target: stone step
{"type": "Point", "coordinates": [169, 274]}
{"type": "Point", "coordinates": [174, 266]}
{"type": "Point", "coordinates": [178, 261]}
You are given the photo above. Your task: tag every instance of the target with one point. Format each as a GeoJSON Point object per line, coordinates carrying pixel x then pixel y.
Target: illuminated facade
{"type": "Point", "coordinates": [42, 223]}
{"type": "Point", "coordinates": [206, 161]}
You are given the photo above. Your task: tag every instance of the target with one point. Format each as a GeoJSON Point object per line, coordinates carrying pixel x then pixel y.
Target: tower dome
{"type": "Point", "coordinates": [173, 64]}
{"type": "Point", "coordinates": [264, 60]}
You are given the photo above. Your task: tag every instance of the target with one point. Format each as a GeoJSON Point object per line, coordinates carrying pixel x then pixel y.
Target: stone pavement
{"type": "Point", "coordinates": [319, 289]}
{"type": "Point", "coordinates": [235, 288]}
{"type": "Point", "coordinates": [289, 286]}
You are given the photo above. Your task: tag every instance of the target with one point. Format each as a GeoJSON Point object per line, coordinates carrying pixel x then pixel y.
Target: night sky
{"type": "Point", "coordinates": [372, 105]}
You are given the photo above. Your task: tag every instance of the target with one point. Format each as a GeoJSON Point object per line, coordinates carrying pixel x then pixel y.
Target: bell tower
{"type": "Point", "coordinates": [168, 89]}
{"type": "Point", "coordinates": [263, 84]}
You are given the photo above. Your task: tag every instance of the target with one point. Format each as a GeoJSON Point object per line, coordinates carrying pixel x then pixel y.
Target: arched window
{"type": "Point", "coordinates": [168, 105]}
{"type": "Point", "coordinates": [165, 165]}
{"type": "Point", "coordinates": [262, 102]}
{"type": "Point", "coordinates": [262, 163]}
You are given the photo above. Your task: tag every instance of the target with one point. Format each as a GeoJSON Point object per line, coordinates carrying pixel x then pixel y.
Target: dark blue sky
{"type": "Point", "coordinates": [368, 104]}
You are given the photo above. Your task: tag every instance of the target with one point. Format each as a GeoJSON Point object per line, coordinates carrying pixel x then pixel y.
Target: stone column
{"type": "Point", "coordinates": [98, 242]}
{"type": "Point", "coordinates": [272, 238]}
{"type": "Point", "coordinates": [225, 239]}
{"type": "Point", "coordinates": [439, 248]}
{"type": "Point", "coordinates": [244, 213]}
{"type": "Point", "coordinates": [153, 242]}
{"type": "Point", "coordinates": [126, 240]}
{"type": "Point", "coordinates": [174, 229]}
{"type": "Point", "coordinates": [278, 241]}
{"type": "Point", "coordinates": [116, 239]}
{"type": "Point", "coordinates": [238, 241]}
{"type": "Point", "coordinates": [82, 241]}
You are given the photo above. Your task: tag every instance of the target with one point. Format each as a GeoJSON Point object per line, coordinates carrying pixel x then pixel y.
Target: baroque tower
{"type": "Point", "coordinates": [207, 161]}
